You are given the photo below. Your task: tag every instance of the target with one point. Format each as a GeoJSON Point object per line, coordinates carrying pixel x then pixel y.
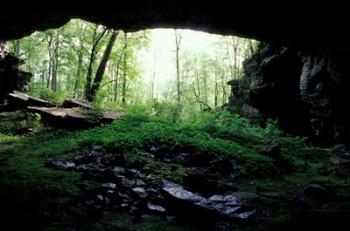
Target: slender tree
{"type": "Point", "coordinates": [95, 42]}
{"type": "Point", "coordinates": [124, 85]}
{"type": "Point", "coordinates": [102, 67]}
{"type": "Point", "coordinates": [178, 77]}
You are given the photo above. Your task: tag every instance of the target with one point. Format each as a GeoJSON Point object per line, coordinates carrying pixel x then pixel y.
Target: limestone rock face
{"type": "Point", "coordinates": [305, 91]}
{"type": "Point", "coordinates": [70, 118]}
{"type": "Point", "coordinates": [11, 77]}
{"type": "Point", "coordinates": [295, 25]}
{"type": "Point", "coordinates": [71, 103]}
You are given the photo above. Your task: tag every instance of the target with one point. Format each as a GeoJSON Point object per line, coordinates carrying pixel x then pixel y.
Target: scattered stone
{"type": "Point", "coordinates": [111, 186]}
{"type": "Point", "coordinates": [140, 192]}
{"type": "Point", "coordinates": [153, 149]}
{"type": "Point", "coordinates": [124, 205]}
{"type": "Point", "coordinates": [100, 197]}
{"type": "Point", "coordinates": [270, 194]}
{"type": "Point", "coordinates": [147, 154]}
{"type": "Point", "coordinates": [127, 182]}
{"type": "Point", "coordinates": [134, 210]}
{"type": "Point", "coordinates": [244, 215]}
{"type": "Point", "coordinates": [181, 158]}
{"type": "Point", "coordinates": [272, 149]}
{"type": "Point", "coordinates": [223, 205]}
{"type": "Point", "coordinates": [129, 188]}
{"type": "Point", "coordinates": [338, 160]}
{"type": "Point", "coordinates": [177, 192]}
{"type": "Point", "coordinates": [140, 182]}
{"type": "Point", "coordinates": [205, 182]}
{"type": "Point", "coordinates": [118, 170]}
{"type": "Point", "coordinates": [87, 186]}
{"type": "Point", "coordinates": [133, 172]}
{"type": "Point", "coordinates": [123, 196]}
{"type": "Point", "coordinates": [6, 114]}
{"type": "Point", "coordinates": [110, 192]}
{"type": "Point", "coordinates": [61, 164]}
{"type": "Point", "coordinates": [155, 208]}
{"type": "Point", "coordinates": [317, 191]}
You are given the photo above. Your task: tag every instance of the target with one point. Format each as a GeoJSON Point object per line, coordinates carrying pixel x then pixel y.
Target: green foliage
{"type": "Point", "coordinates": [163, 109]}
{"type": "Point", "coordinates": [66, 52]}
{"type": "Point", "coordinates": [217, 134]}
{"type": "Point", "coordinates": [20, 123]}
{"type": "Point", "coordinates": [49, 95]}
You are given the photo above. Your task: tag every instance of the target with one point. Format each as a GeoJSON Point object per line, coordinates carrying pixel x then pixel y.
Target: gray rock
{"type": "Point", "coordinates": [61, 164]}
{"type": "Point", "coordinates": [228, 205]}
{"type": "Point", "coordinates": [128, 182]}
{"type": "Point", "coordinates": [140, 192]}
{"type": "Point", "coordinates": [71, 103]}
{"type": "Point", "coordinates": [155, 208]}
{"type": "Point", "coordinates": [178, 192]}
{"type": "Point", "coordinates": [317, 191]}
{"type": "Point", "coordinates": [110, 186]}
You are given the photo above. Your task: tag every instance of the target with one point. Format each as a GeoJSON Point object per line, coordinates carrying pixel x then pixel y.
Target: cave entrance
{"type": "Point", "coordinates": [166, 69]}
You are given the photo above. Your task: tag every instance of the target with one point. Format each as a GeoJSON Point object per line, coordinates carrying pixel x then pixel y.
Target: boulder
{"type": "Point", "coordinates": [11, 77]}
{"type": "Point", "coordinates": [227, 206]}
{"type": "Point", "coordinates": [20, 100]}
{"type": "Point", "coordinates": [155, 208]}
{"type": "Point", "coordinates": [70, 118]}
{"type": "Point", "coordinates": [71, 103]}
{"type": "Point", "coordinates": [6, 114]}
{"type": "Point", "coordinates": [317, 191]}
{"type": "Point", "coordinates": [306, 92]}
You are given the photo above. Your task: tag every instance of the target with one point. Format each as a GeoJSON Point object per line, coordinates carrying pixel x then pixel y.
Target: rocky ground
{"type": "Point", "coordinates": [144, 173]}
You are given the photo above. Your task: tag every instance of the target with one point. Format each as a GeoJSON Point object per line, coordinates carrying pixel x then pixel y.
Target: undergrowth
{"type": "Point", "coordinates": [25, 178]}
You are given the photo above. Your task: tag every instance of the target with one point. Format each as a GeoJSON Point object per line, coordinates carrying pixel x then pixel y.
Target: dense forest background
{"type": "Point", "coordinates": [115, 69]}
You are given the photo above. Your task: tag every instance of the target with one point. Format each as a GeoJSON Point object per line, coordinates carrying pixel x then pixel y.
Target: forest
{"type": "Point", "coordinates": [86, 61]}
{"type": "Point", "coordinates": [134, 131]}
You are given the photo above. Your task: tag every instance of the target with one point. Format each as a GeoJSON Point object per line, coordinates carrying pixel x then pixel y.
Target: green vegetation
{"type": "Point", "coordinates": [32, 191]}
{"type": "Point", "coordinates": [74, 62]}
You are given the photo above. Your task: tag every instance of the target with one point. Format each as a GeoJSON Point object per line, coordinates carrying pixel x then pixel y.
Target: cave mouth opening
{"type": "Point", "coordinates": [214, 171]}
{"type": "Point", "coordinates": [155, 66]}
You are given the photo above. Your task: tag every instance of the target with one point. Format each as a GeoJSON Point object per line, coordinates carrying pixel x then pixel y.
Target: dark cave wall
{"type": "Point", "coordinates": [307, 92]}
{"type": "Point", "coordinates": [11, 77]}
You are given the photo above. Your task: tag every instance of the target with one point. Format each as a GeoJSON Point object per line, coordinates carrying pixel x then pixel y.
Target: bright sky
{"type": "Point", "coordinates": [162, 49]}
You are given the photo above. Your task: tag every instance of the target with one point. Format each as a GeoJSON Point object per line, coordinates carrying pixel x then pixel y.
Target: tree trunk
{"type": "Point", "coordinates": [16, 48]}
{"type": "Point", "coordinates": [216, 89]}
{"type": "Point", "coordinates": [77, 79]}
{"type": "Point", "coordinates": [153, 78]}
{"type": "Point", "coordinates": [115, 98]}
{"type": "Point", "coordinates": [124, 71]}
{"type": "Point", "coordinates": [49, 71]}
{"type": "Point", "coordinates": [117, 72]}
{"type": "Point", "coordinates": [223, 85]}
{"type": "Point", "coordinates": [55, 63]}
{"type": "Point", "coordinates": [178, 78]}
{"type": "Point", "coordinates": [102, 67]}
{"type": "Point", "coordinates": [95, 41]}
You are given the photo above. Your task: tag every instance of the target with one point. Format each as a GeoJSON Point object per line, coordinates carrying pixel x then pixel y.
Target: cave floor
{"type": "Point", "coordinates": [52, 179]}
